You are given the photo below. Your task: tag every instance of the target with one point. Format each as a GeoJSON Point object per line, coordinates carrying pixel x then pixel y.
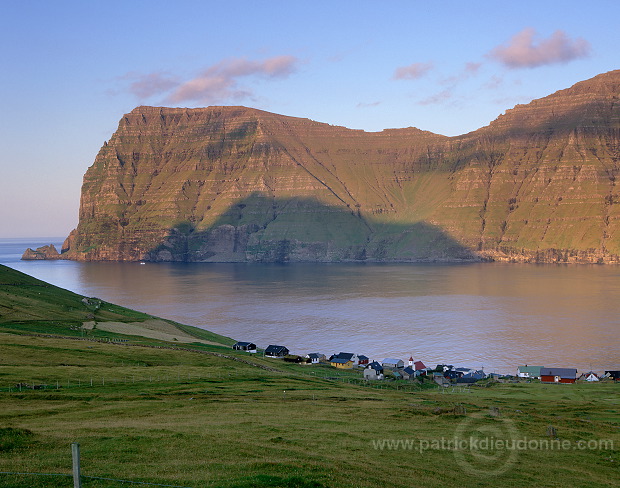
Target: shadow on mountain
{"type": "Point", "coordinates": [271, 230]}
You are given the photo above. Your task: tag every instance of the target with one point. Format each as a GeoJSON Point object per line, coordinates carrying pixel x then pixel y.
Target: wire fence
{"type": "Point", "coordinates": [86, 478]}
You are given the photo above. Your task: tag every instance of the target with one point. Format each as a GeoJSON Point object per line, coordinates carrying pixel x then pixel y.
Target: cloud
{"type": "Point", "coordinates": [470, 69]}
{"type": "Point", "coordinates": [219, 82]}
{"type": "Point", "coordinates": [145, 86]}
{"type": "Point", "coordinates": [413, 71]}
{"type": "Point", "coordinates": [365, 105]}
{"type": "Point", "coordinates": [440, 97]}
{"type": "Point", "coordinates": [523, 51]}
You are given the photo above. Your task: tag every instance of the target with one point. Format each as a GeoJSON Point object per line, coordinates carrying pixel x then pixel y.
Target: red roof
{"type": "Point", "coordinates": [419, 365]}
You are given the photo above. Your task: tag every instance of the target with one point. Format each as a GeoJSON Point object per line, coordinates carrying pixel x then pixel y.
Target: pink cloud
{"type": "Point", "coordinates": [522, 51]}
{"type": "Point", "coordinates": [152, 84]}
{"type": "Point", "coordinates": [440, 97]}
{"type": "Point", "coordinates": [215, 84]}
{"type": "Point", "coordinates": [221, 81]}
{"type": "Point", "coordinates": [413, 71]}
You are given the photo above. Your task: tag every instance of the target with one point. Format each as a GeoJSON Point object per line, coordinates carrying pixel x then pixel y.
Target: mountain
{"type": "Point", "coordinates": [538, 184]}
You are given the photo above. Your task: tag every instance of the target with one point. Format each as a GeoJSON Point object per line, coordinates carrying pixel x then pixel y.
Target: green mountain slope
{"type": "Point", "coordinates": [29, 304]}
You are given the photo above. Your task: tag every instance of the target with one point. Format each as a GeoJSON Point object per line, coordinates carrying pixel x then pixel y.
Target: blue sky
{"type": "Point", "coordinates": [71, 69]}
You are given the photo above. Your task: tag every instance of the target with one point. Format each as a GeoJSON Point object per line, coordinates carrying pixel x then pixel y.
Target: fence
{"type": "Point", "coordinates": [78, 477]}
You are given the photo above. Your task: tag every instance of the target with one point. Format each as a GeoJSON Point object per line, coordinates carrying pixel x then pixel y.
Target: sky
{"type": "Point", "coordinates": [70, 69]}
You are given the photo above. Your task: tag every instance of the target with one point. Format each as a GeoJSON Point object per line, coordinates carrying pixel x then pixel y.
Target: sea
{"type": "Point", "coordinates": [490, 316]}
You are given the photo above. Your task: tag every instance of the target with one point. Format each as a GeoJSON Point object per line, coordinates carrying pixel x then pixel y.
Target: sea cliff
{"type": "Point", "coordinates": [237, 184]}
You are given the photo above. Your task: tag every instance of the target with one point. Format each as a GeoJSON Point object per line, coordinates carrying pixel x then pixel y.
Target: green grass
{"type": "Point", "coordinates": [191, 419]}
{"type": "Point", "coordinates": [33, 306]}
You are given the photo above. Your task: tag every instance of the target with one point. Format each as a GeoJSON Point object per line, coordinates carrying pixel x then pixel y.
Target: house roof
{"type": "Point", "coordinates": [419, 365]}
{"type": "Point", "coordinates": [361, 357]}
{"type": "Point", "coordinates": [244, 344]}
{"type": "Point", "coordinates": [535, 370]}
{"type": "Point", "coordinates": [409, 370]}
{"type": "Point", "coordinates": [375, 365]}
{"type": "Point", "coordinates": [345, 355]}
{"type": "Point", "coordinates": [561, 372]}
{"type": "Point", "coordinates": [272, 348]}
{"type": "Point", "coordinates": [340, 360]}
{"type": "Point", "coordinates": [315, 355]}
{"type": "Point", "coordinates": [392, 361]}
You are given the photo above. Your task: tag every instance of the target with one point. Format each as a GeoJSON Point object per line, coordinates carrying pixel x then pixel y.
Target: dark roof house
{"type": "Point", "coordinates": [373, 371]}
{"type": "Point", "coordinates": [245, 346]}
{"type": "Point", "coordinates": [274, 351]}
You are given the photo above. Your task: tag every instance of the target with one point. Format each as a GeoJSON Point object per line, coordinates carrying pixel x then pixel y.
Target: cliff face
{"type": "Point", "coordinates": [238, 184]}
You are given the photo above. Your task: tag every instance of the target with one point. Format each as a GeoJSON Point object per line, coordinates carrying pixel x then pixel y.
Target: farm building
{"type": "Point", "coordinates": [529, 371]}
{"type": "Point", "coordinates": [274, 351]}
{"type": "Point", "coordinates": [558, 375]}
{"type": "Point", "coordinates": [245, 346]}
{"type": "Point", "coordinates": [391, 363]}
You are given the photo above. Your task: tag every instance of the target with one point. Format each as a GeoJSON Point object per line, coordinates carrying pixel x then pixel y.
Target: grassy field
{"type": "Point", "coordinates": [196, 419]}
{"type": "Point", "coordinates": [197, 415]}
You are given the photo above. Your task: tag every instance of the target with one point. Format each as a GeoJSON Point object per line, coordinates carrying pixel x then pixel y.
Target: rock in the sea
{"type": "Point", "coordinates": [43, 252]}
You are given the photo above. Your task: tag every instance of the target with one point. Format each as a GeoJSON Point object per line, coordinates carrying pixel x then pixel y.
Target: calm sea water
{"type": "Point", "coordinates": [496, 316]}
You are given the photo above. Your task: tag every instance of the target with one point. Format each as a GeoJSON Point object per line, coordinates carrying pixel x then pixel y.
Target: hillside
{"type": "Point", "coordinates": [186, 419]}
{"type": "Point", "coordinates": [238, 184]}
{"type": "Point", "coordinates": [34, 306]}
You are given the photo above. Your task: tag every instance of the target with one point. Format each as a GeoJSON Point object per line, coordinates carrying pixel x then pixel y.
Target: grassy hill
{"type": "Point", "coordinates": [203, 415]}
{"type": "Point", "coordinates": [31, 305]}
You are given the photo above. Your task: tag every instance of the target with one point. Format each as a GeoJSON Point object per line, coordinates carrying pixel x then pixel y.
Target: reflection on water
{"type": "Point", "coordinates": [493, 315]}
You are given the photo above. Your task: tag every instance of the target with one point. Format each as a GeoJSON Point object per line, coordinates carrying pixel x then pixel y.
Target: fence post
{"type": "Point", "coordinates": [75, 455]}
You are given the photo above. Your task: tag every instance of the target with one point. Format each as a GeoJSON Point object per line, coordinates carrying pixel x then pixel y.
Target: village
{"type": "Point", "coordinates": [393, 369]}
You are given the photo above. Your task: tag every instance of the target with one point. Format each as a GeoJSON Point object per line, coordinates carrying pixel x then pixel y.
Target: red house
{"type": "Point", "coordinates": [558, 375]}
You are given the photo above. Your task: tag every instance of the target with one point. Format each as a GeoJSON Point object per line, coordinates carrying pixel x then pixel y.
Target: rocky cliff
{"type": "Point", "coordinates": [238, 184]}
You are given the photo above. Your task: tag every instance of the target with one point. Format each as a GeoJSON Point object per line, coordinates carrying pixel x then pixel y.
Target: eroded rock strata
{"type": "Point", "coordinates": [238, 184]}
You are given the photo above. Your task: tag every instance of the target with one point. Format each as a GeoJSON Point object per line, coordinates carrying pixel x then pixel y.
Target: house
{"type": "Point", "coordinates": [315, 357]}
{"type": "Point", "coordinates": [589, 376]}
{"type": "Point", "coordinates": [391, 363]}
{"type": "Point", "coordinates": [274, 351]}
{"type": "Point", "coordinates": [363, 360]}
{"type": "Point", "coordinates": [245, 346]}
{"type": "Point", "coordinates": [341, 363]}
{"type": "Point", "coordinates": [558, 375]}
{"type": "Point", "coordinates": [397, 375]}
{"type": "Point", "coordinates": [293, 358]}
{"type": "Point", "coordinates": [529, 371]}
{"type": "Point", "coordinates": [373, 371]}
{"type": "Point", "coordinates": [472, 376]}
{"type": "Point", "coordinates": [349, 356]}
{"type": "Point", "coordinates": [409, 373]}
{"type": "Point", "coordinates": [615, 375]}
{"type": "Point", "coordinates": [463, 371]}
{"type": "Point", "coordinates": [419, 366]}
